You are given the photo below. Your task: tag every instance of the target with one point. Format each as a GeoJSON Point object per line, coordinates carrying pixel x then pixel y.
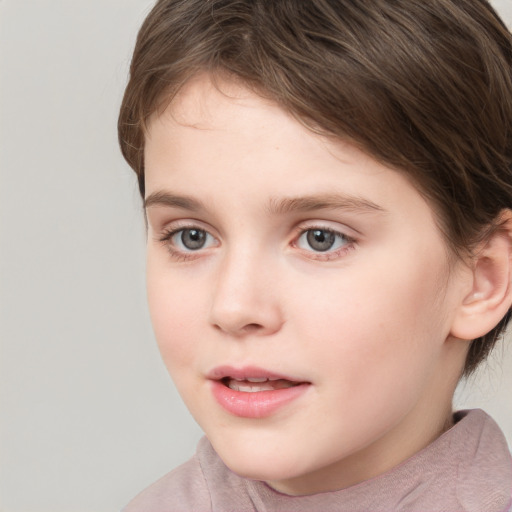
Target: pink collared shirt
{"type": "Point", "coordinates": [467, 469]}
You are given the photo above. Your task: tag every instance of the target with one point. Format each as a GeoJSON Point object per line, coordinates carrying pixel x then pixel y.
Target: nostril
{"type": "Point", "coordinates": [246, 328]}
{"type": "Point", "coordinates": [252, 327]}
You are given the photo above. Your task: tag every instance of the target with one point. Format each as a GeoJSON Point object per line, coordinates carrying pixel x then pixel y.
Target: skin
{"type": "Point", "coordinates": [368, 323]}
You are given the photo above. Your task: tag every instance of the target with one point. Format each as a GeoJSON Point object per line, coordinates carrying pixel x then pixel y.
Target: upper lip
{"type": "Point", "coordinates": [247, 372]}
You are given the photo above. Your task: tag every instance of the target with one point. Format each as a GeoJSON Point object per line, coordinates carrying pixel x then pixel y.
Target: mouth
{"type": "Point", "coordinates": [257, 384]}
{"type": "Point", "coordinates": [254, 392]}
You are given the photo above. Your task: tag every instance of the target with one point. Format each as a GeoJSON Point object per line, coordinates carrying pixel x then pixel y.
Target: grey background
{"type": "Point", "coordinates": [88, 414]}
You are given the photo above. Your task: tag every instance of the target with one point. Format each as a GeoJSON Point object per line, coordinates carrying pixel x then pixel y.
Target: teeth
{"type": "Point", "coordinates": [251, 379]}
{"type": "Point", "coordinates": [253, 385]}
{"type": "Point", "coordinates": [249, 388]}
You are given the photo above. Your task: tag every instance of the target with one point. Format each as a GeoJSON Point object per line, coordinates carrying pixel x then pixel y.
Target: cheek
{"type": "Point", "coordinates": [374, 322]}
{"type": "Point", "coordinates": [372, 348]}
{"type": "Point", "coordinates": [176, 312]}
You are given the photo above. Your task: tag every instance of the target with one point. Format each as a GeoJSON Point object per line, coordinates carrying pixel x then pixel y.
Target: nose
{"type": "Point", "coordinates": [245, 298]}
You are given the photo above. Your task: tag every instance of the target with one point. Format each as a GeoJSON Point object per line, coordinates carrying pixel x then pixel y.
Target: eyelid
{"type": "Point", "coordinates": [166, 234]}
{"type": "Point", "coordinates": [327, 226]}
{"type": "Point", "coordinates": [174, 226]}
{"type": "Point", "coordinates": [180, 245]}
{"type": "Point", "coordinates": [331, 226]}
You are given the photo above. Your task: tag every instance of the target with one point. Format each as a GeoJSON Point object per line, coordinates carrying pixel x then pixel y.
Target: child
{"type": "Point", "coordinates": [328, 192]}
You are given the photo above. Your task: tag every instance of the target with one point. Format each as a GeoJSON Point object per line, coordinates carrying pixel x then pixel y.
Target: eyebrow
{"type": "Point", "coordinates": [323, 202]}
{"type": "Point", "coordinates": [163, 198]}
{"type": "Point", "coordinates": [275, 206]}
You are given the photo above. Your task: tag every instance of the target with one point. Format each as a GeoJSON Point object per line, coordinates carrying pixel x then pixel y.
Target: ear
{"type": "Point", "coordinates": [490, 291]}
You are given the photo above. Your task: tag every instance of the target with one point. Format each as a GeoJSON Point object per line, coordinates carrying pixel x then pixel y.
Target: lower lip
{"type": "Point", "coordinates": [259, 404]}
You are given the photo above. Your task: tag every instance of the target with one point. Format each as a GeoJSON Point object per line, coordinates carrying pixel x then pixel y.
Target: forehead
{"type": "Point", "coordinates": [225, 114]}
{"type": "Point", "coordinates": [222, 140]}
{"type": "Point", "coordinates": [217, 107]}
{"type": "Point", "coordinates": [203, 99]}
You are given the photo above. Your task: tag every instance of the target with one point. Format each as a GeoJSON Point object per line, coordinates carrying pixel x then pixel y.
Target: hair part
{"type": "Point", "coordinates": [423, 87]}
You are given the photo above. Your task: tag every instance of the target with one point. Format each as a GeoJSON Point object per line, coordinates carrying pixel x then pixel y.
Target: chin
{"type": "Point", "coordinates": [265, 471]}
{"type": "Point", "coordinates": [260, 461]}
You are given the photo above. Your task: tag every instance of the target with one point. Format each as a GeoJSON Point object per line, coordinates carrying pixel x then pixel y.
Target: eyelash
{"type": "Point", "coordinates": [178, 255]}
{"type": "Point", "coordinates": [328, 255]}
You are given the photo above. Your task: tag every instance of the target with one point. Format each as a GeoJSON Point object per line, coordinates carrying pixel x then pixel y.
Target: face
{"type": "Point", "coordinates": [300, 293]}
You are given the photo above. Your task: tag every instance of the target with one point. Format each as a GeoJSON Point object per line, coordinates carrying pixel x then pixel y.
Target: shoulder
{"type": "Point", "coordinates": [182, 489]}
{"type": "Point", "coordinates": [483, 463]}
{"type": "Point", "coordinates": [202, 484]}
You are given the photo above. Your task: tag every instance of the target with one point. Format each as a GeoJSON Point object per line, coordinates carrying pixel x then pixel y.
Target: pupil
{"type": "Point", "coordinates": [320, 240]}
{"type": "Point", "coordinates": [193, 239]}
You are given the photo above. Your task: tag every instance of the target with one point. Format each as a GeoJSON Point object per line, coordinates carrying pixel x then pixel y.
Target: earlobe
{"type": "Point", "coordinates": [490, 294]}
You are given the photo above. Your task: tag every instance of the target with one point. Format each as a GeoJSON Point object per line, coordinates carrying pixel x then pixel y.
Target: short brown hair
{"type": "Point", "coordinates": [425, 87]}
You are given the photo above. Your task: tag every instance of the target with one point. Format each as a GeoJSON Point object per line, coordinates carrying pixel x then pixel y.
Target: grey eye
{"type": "Point", "coordinates": [320, 239]}
{"type": "Point", "coordinates": [192, 239]}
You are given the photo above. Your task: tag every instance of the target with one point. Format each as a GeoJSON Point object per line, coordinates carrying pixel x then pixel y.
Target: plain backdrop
{"type": "Point", "coordinates": [89, 416]}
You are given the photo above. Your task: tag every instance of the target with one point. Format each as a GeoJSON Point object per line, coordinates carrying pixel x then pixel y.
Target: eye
{"type": "Point", "coordinates": [322, 240]}
{"type": "Point", "coordinates": [184, 241]}
{"type": "Point", "coordinates": [192, 239]}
